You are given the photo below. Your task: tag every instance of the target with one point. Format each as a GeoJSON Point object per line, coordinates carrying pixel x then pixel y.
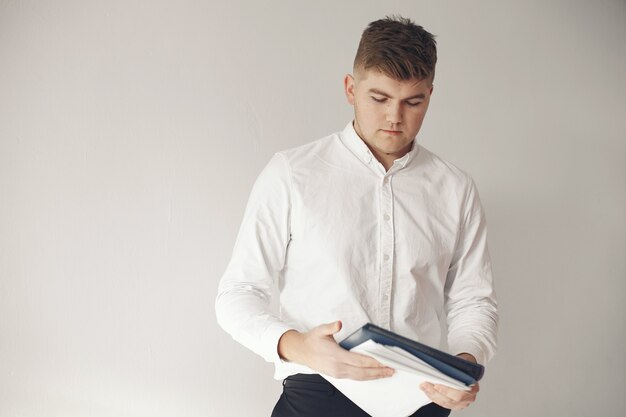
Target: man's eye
{"type": "Point", "coordinates": [378, 100]}
{"type": "Point", "coordinates": [414, 104]}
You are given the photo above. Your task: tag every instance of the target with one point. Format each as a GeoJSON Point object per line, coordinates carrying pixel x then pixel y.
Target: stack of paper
{"type": "Point", "coordinates": [399, 395]}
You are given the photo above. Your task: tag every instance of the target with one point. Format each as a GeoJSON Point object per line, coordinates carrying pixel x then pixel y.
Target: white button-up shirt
{"type": "Point", "coordinates": [405, 249]}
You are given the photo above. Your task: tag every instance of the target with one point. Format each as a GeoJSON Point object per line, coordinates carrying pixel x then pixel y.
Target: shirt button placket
{"type": "Point", "coordinates": [387, 245]}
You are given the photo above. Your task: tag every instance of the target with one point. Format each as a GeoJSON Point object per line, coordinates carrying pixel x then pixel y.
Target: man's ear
{"type": "Point", "coordinates": [348, 84]}
{"type": "Point", "coordinates": [432, 86]}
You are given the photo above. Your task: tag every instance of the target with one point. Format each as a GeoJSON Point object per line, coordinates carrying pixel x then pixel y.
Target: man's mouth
{"type": "Point", "coordinates": [392, 132]}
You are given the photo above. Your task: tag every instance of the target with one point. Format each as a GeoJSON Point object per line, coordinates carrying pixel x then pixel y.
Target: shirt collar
{"type": "Point", "coordinates": [353, 141]}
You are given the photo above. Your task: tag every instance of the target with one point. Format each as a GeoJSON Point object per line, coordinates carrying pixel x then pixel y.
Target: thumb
{"type": "Point", "coordinates": [329, 329]}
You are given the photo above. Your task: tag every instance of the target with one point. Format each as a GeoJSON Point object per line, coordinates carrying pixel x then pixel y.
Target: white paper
{"type": "Point", "coordinates": [399, 395]}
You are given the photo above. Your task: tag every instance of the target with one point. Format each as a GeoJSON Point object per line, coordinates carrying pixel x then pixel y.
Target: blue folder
{"type": "Point", "coordinates": [464, 371]}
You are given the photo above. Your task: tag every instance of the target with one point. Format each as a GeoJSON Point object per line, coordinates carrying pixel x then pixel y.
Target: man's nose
{"type": "Point", "coordinates": [394, 113]}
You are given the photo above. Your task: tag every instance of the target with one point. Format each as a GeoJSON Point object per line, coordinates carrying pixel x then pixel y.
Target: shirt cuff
{"type": "Point", "coordinates": [271, 337]}
{"type": "Point", "coordinates": [468, 347]}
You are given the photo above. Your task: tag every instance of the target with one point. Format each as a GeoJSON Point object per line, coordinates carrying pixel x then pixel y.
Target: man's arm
{"type": "Point", "coordinates": [471, 304]}
{"type": "Point", "coordinates": [242, 303]}
{"type": "Point", "coordinates": [470, 299]}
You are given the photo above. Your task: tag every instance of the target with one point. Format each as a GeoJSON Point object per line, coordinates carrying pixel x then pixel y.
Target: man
{"type": "Point", "coordinates": [364, 225]}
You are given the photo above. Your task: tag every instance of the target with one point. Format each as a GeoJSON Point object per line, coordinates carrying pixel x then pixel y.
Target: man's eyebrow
{"type": "Point", "coordinates": [382, 93]}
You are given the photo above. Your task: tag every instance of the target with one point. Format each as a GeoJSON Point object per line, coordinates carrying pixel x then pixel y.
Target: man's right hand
{"type": "Point", "coordinates": [318, 350]}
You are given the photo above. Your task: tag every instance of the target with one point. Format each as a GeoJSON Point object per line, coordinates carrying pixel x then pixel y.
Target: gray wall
{"type": "Point", "coordinates": [131, 133]}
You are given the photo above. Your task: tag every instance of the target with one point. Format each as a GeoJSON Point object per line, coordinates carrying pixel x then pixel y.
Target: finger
{"type": "Point", "coordinates": [364, 373]}
{"type": "Point", "coordinates": [360, 360]}
{"type": "Point", "coordinates": [439, 398]}
{"type": "Point", "coordinates": [328, 329]}
{"type": "Point", "coordinates": [455, 394]}
{"type": "Point", "coordinates": [443, 400]}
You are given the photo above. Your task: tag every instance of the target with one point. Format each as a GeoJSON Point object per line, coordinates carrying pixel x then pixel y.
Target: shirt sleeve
{"type": "Point", "coordinates": [470, 297]}
{"type": "Point", "coordinates": [243, 301]}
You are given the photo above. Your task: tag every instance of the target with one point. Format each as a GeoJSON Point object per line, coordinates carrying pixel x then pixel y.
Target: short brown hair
{"type": "Point", "coordinates": [398, 48]}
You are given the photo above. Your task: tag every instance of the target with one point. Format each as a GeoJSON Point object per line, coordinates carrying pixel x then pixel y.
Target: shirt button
{"type": "Point", "coordinates": [386, 217]}
{"type": "Point", "coordinates": [386, 257]}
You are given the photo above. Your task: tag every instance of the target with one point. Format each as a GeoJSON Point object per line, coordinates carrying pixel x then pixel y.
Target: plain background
{"type": "Point", "coordinates": [131, 133]}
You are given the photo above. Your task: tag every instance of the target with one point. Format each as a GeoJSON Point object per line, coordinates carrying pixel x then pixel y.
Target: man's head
{"type": "Point", "coordinates": [393, 73]}
{"type": "Point", "coordinates": [398, 48]}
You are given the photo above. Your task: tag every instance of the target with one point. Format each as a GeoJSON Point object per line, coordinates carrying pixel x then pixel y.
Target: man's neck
{"type": "Point", "coordinates": [387, 159]}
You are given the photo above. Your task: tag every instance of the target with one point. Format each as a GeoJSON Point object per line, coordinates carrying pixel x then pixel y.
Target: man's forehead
{"type": "Point", "coordinates": [373, 78]}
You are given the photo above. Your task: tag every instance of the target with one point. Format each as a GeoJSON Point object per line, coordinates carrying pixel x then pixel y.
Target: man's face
{"type": "Point", "coordinates": [387, 113]}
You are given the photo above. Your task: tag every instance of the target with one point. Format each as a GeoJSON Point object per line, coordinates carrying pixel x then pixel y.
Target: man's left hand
{"type": "Point", "coordinates": [451, 398]}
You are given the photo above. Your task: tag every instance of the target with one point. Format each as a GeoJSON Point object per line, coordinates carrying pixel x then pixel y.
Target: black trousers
{"type": "Point", "coordinates": [313, 396]}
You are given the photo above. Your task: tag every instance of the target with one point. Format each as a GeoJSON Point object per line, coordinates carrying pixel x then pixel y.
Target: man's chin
{"type": "Point", "coordinates": [393, 149]}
